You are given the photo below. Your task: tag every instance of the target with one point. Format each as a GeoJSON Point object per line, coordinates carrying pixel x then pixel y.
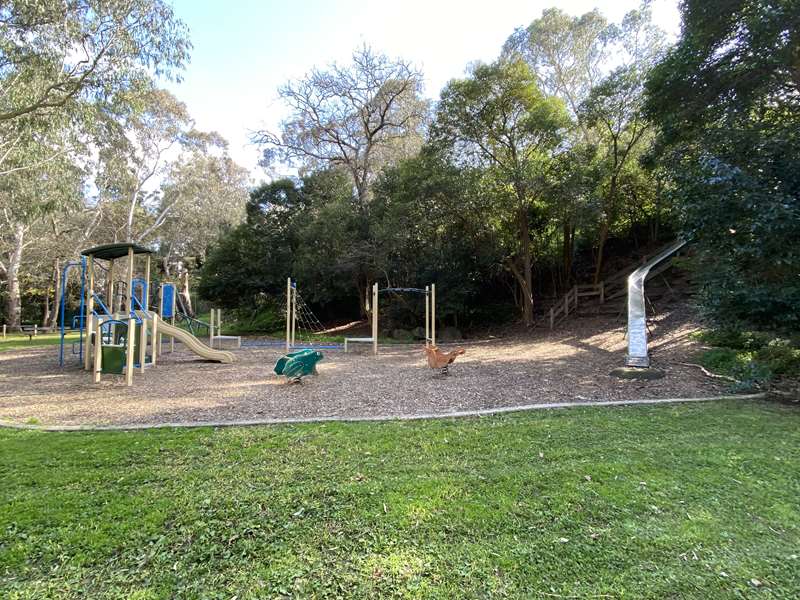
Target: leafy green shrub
{"type": "Point", "coordinates": [752, 357]}
{"type": "Point", "coordinates": [781, 357]}
{"type": "Point", "coordinates": [737, 364]}
{"type": "Point", "coordinates": [266, 317]}
{"type": "Point", "coordinates": [735, 338]}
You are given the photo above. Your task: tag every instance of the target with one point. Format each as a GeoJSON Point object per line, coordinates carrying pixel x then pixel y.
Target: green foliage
{"type": "Point", "coordinates": [727, 98]}
{"type": "Point", "coordinates": [267, 317]}
{"type": "Point", "coordinates": [498, 119]}
{"type": "Point", "coordinates": [54, 54]}
{"type": "Point", "coordinates": [738, 364]}
{"type": "Point", "coordinates": [428, 227]}
{"type": "Point", "coordinates": [586, 502]}
{"type": "Point", "coordinates": [256, 257]}
{"type": "Point", "coordinates": [753, 357]}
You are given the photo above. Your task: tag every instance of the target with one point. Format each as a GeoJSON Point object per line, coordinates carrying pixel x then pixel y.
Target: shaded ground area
{"type": "Point", "coordinates": [569, 364]}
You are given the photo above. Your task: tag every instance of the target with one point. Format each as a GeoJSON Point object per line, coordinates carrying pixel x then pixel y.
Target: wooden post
{"type": "Point", "coordinates": [375, 319]}
{"type": "Point", "coordinates": [110, 299]}
{"type": "Point", "coordinates": [602, 292]}
{"type": "Point", "coordinates": [87, 349]}
{"type": "Point", "coordinates": [154, 336]}
{"type": "Point", "coordinates": [143, 342]}
{"type": "Point", "coordinates": [288, 311]}
{"type": "Point", "coordinates": [211, 329]}
{"type": "Point", "coordinates": [130, 282]}
{"type": "Point", "coordinates": [98, 351]}
{"type": "Point", "coordinates": [35, 330]}
{"type": "Point", "coordinates": [4, 331]}
{"type": "Point", "coordinates": [427, 315]}
{"type": "Point", "coordinates": [433, 314]}
{"type": "Point", "coordinates": [146, 290]}
{"type": "Point", "coordinates": [129, 356]}
{"type": "Point", "coordinates": [294, 315]}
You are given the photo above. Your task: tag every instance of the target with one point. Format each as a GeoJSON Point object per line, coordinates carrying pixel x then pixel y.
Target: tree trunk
{"type": "Point", "coordinates": [608, 217]}
{"type": "Point", "coordinates": [46, 311]}
{"type": "Point", "coordinates": [56, 297]}
{"type": "Point", "coordinates": [601, 243]}
{"type": "Point", "coordinates": [186, 295]}
{"type": "Point", "coordinates": [523, 272]}
{"type": "Point", "coordinates": [14, 303]}
{"type": "Point", "coordinates": [527, 268]}
{"type": "Point", "coordinates": [567, 251]}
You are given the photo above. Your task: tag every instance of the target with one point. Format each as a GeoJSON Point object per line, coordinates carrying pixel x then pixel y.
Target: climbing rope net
{"type": "Point", "coordinates": [302, 325]}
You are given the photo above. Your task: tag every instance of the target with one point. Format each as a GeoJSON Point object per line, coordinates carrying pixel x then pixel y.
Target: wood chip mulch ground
{"type": "Point", "coordinates": [570, 364]}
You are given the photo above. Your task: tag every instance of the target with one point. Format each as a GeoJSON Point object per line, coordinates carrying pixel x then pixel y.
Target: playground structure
{"type": "Point", "coordinates": [298, 313]}
{"type": "Point", "coordinates": [296, 365]}
{"type": "Point", "coordinates": [119, 331]}
{"type": "Point", "coordinates": [638, 355]}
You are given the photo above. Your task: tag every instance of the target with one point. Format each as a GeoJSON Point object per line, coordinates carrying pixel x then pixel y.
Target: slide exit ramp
{"type": "Point", "coordinates": [193, 344]}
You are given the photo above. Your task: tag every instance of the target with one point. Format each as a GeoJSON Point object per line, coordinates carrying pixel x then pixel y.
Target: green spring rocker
{"type": "Point", "coordinates": [297, 365]}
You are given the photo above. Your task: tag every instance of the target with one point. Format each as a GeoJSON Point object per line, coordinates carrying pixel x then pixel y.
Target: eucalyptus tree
{"type": "Point", "coordinates": [62, 65]}
{"type": "Point", "coordinates": [204, 193]}
{"type": "Point", "coordinates": [614, 110]}
{"type": "Point", "coordinates": [141, 140]}
{"type": "Point", "coordinates": [56, 52]}
{"type": "Point", "coordinates": [27, 197]}
{"type": "Point", "coordinates": [567, 55]}
{"type": "Point", "coordinates": [357, 117]}
{"type": "Point", "coordinates": [594, 66]}
{"type": "Point", "coordinates": [498, 119]}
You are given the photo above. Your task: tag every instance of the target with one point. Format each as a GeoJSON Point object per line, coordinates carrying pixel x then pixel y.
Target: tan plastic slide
{"type": "Point", "coordinates": [193, 344]}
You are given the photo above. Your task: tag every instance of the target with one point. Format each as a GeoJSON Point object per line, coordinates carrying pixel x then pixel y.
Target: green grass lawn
{"type": "Point", "coordinates": [679, 501]}
{"type": "Point", "coordinates": [14, 341]}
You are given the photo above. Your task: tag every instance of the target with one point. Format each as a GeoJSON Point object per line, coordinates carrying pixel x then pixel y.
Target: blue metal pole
{"type": "Point", "coordinates": [82, 309]}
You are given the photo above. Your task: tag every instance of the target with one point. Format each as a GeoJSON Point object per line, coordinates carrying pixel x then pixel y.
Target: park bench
{"type": "Point", "coordinates": [32, 329]}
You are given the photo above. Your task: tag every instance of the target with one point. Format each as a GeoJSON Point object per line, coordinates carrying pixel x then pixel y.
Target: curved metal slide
{"type": "Point", "coordinates": [637, 313]}
{"type": "Point", "coordinates": [193, 344]}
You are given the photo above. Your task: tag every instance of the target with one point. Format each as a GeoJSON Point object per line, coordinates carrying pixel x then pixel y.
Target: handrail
{"type": "Point", "coordinates": [137, 303]}
{"type": "Point", "coordinates": [63, 306]}
{"type": "Point", "coordinates": [102, 304]}
{"type": "Point", "coordinates": [107, 325]}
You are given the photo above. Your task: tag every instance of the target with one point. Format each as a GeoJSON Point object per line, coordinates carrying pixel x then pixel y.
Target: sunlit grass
{"type": "Point", "coordinates": [14, 341]}
{"type": "Point", "coordinates": [677, 501]}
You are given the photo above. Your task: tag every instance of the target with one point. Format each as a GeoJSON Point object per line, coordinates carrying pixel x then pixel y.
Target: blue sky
{"type": "Point", "coordinates": [244, 49]}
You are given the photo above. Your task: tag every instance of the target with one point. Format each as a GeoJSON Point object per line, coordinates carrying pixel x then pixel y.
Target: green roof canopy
{"type": "Point", "coordinates": [112, 251]}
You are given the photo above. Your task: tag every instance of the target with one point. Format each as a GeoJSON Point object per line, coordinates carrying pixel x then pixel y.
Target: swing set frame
{"type": "Point", "coordinates": [429, 291]}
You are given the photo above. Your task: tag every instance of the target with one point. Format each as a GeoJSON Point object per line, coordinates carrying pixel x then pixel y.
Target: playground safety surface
{"type": "Point", "coordinates": [571, 364]}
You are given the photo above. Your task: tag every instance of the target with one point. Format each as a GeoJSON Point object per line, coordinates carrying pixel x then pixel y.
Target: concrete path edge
{"type": "Point", "coordinates": [420, 417]}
